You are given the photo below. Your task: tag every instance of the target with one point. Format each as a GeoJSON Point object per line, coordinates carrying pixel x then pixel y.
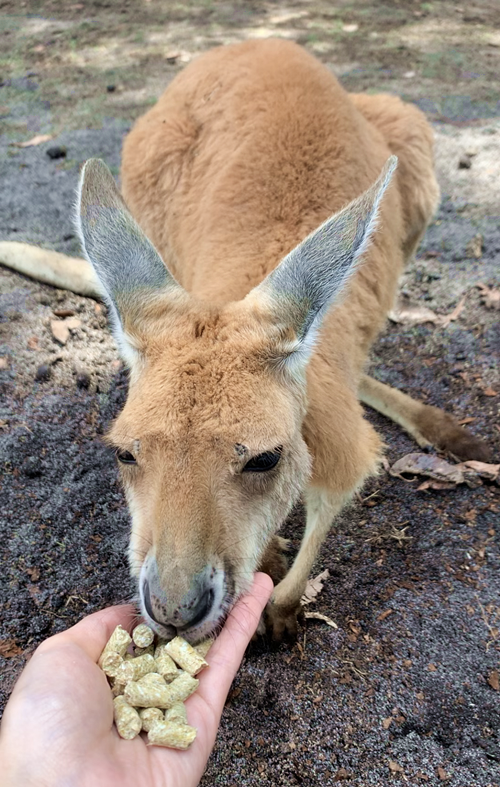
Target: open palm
{"type": "Point", "coordinates": [58, 728]}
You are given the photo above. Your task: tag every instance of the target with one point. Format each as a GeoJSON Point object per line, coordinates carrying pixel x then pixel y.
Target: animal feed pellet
{"type": "Point", "coordinates": [149, 687]}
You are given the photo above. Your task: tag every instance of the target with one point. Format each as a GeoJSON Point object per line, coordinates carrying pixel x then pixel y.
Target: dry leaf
{"type": "Point", "coordinates": [427, 465]}
{"type": "Point", "coordinates": [442, 773]}
{"type": "Point", "coordinates": [4, 363]}
{"type": "Point", "coordinates": [319, 616]}
{"type": "Point", "coordinates": [33, 141]}
{"type": "Point", "coordinates": [341, 775]}
{"type": "Point", "coordinates": [435, 485]}
{"type": "Point", "coordinates": [489, 391]}
{"type": "Point", "coordinates": [493, 679]}
{"type": "Point", "coordinates": [468, 420]}
{"type": "Point", "coordinates": [313, 587]}
{"type": "Point", "coordinates": [484, 469]}
{"type": "Point", "coordinates": [32, 343]}
{"type": "Point", "coordinates": [73, 323]}
{"type": "Point", "coordinates": [405, 314]}
{"type": "Point", "coordinates": [444, 475]}
{"type": "Point", "coordinates": [61, 328]}
{"type": "Point", "coordinates": [60, 331]}
{"type": "Point", "coordinates": [384, 615]}
{"type": "Point", "coordinates": [490, 297]}
{"type": "Point", "coordinates": [387, 722]}
{"type": "Point", "coordinates": [452, 316]}
{"type": "Point", "coordinates": [8, 648]}
{"type": "Point", "coordinates": [432, 668]}
{"type": "Point", "coordinates": [395, 767]}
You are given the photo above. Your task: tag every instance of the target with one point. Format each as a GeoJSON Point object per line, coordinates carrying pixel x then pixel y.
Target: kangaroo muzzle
{"type": "Point", "coordinates": [192, 607]}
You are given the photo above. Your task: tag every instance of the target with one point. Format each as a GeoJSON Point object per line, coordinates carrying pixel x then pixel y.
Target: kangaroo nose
{"type": "Point", "coordinates": [192, 611]}
{"type": "Point", "coordinates": [185, 616]}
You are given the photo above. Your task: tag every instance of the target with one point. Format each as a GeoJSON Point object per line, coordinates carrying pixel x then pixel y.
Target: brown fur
{"type": "Point", "coordinates": [247, 151]}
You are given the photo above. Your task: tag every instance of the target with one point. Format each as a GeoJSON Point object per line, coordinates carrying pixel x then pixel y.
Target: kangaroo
{"type": "Point", "coordinates": [268, 227]}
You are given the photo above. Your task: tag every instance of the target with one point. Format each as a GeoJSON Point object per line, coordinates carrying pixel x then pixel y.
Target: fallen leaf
{"type": "Point", "coordinates": [490, 296]}
{"type": "Point", "coordinates": [350, 28]}
{"type": "Point", "coordinates": [405, 314]}
{"type": "Point", "coordinates": [384, 615]}
{"type": "Point", "coordinates": [444, 475]}
{"type": "Point", "coordinates": [73, 323]}
{"type": "Point", "coordinates": [313, 587]}
{"type": "Point", "coordinates": [8, 648]}
{"type": "Point", "coordinates": [32, 343]}
{"type": "Point", "coordinates": [387, 722]}
{"type": "Point", "coordinates": [432, 668]}
{"type": "Point", "coordinates": [435, 485]}
{"type": "Point", "coordinates": [489, 391]}
{"type": "Point", "coordinates": [395, 767]}
{"type": "Point", "coordinates": [468, 420]}
{"type": "Point", "coordinates": [484, 469]}
{"type": "Point", "coordinates": [319, 616]}
{"type": "Point", "coordinates": [63, 312]}
{"type": "Point", "coordinates": [452, 316]}
{"type": "Point", "coordinates": [493, 679]}
{"type": "Point", "coordinates": [341, 775]}
{"type": "Point", "coordinates": [4, 363]}
{"type": "Point", "coordinates": [60, 331]}
{"type": "Point", "coordinates": [427, 465]}
{"type": "Point", "coordinates": [442, 774]}
{"type": "Point", "coordinates": [37, 140]}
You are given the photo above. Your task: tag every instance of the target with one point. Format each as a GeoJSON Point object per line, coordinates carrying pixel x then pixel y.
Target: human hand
{"type": "Point", "coordinates": [58, 730]}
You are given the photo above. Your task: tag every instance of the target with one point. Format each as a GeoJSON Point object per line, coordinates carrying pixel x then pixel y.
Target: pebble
{"type": "Point", "coordinates": [43, 373]}
{"type": "Point", "coordinates": [32, 467]}
{"type": "Point", "coordinates": [57, 151]}
{"type": "Point", "coordinates": [82, 378]}
{"type": "Point", "coordinates": [465, 162]}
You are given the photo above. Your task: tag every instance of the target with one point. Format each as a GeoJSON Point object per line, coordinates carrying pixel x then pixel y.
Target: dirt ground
{"type": "Point", "coordinates": [404, 690]}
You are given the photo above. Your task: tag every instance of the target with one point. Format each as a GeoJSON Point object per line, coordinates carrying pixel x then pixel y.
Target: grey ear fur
{"type": "Point", "coordinates": [313, 275]}
{"type": "Point", "coordinates": [128, 267]}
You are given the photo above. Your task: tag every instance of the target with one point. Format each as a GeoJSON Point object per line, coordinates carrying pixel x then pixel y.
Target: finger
{"type": "Point", "coordinates": [204, 707]}
{"type": "Point", "coordinates": [228, 650]}
{"type": "Point", "coordinates": [92, 633]}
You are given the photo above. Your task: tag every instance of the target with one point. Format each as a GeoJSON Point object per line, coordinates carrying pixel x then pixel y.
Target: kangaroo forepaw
{"type": "Point", "coordinates": [282, 622]}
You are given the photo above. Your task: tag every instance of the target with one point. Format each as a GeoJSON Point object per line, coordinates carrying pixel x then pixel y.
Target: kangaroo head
{"type": "Point", "coordinates": [210, 442]}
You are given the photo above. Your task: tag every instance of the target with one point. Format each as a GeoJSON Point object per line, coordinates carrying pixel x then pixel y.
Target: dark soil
{"type": "Point", "coordinates": [402, 691]}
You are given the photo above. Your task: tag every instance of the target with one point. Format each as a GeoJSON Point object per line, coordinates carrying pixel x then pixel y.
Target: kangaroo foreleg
{"type": "Point", "coordinates": [321, 509]}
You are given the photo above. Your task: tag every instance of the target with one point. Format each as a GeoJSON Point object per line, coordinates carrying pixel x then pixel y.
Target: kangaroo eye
{"type": "Point", "coordinates": [263, 462]}
{"type": "Point", "coordinates": [126, 458]}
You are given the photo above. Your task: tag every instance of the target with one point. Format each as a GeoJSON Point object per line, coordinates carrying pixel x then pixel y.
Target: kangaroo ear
{"type": "Point", "coordinates": [314, 274]}
{"type": "Point", "coordinates": [128, 267]}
